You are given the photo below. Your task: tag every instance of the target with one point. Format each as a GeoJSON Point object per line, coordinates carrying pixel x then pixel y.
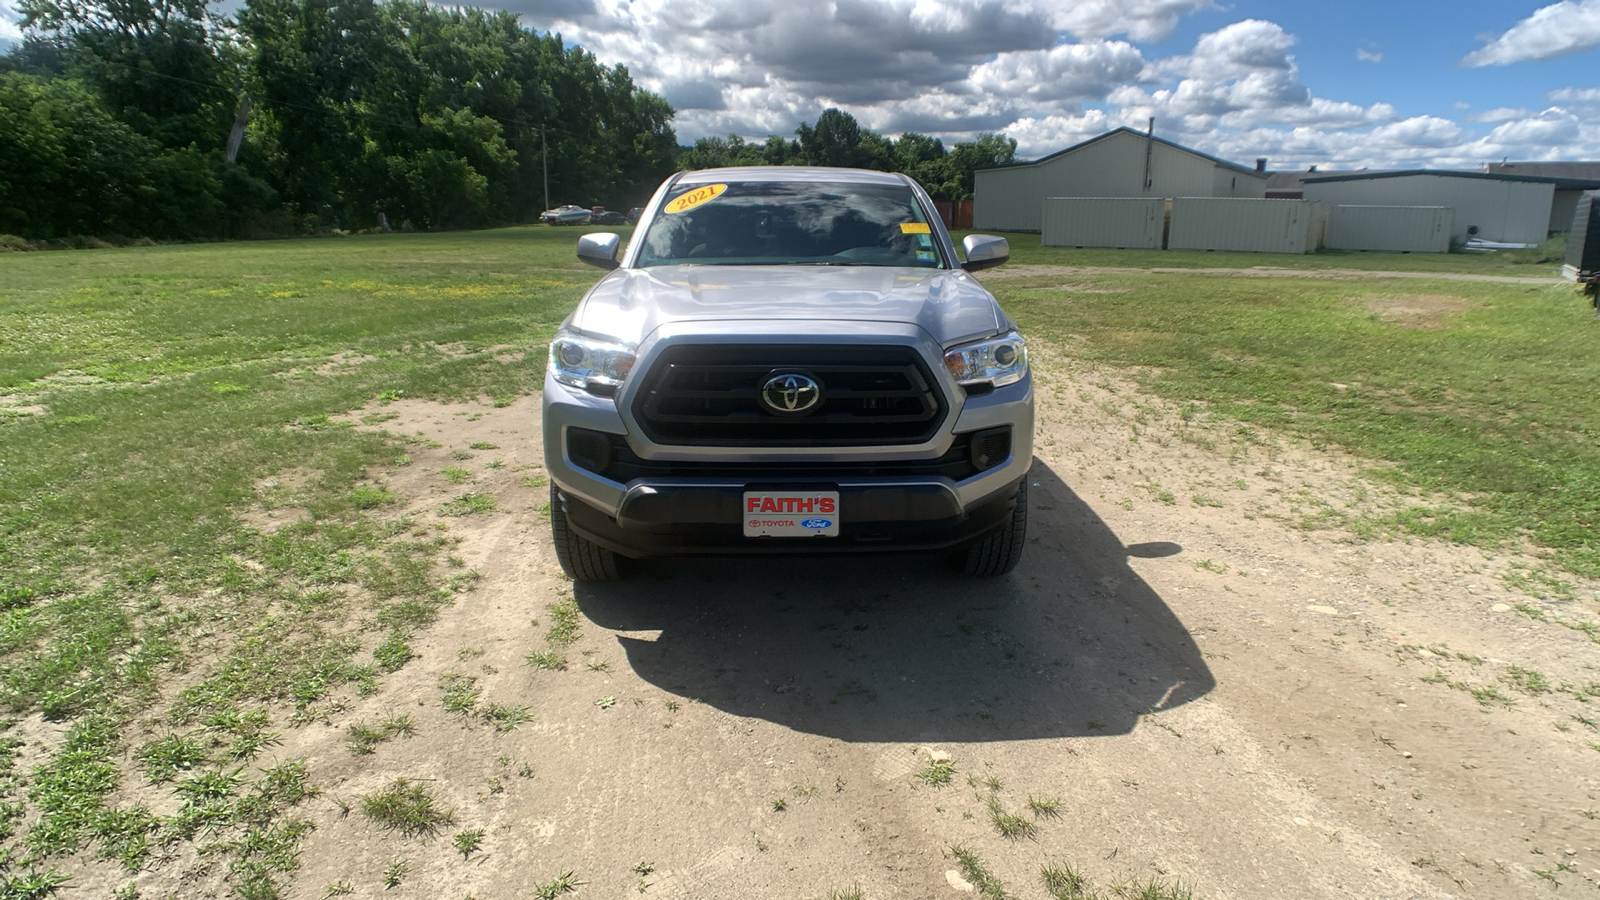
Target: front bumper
{"type": "Point", "coordinates": [700, 511]}
{"type": "Point", "coordinates": [704, 518]}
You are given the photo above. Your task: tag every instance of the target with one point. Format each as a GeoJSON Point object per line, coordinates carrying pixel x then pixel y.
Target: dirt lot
{"type": "Point", "coordinates": [1185, 678]}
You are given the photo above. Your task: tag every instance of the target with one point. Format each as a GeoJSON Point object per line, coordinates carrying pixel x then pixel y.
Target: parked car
{"type": "Point", "coordinates": [565, 215]}
{"type": "Point", "coordinates": [634, 214]}
{"type": "Point", "coordinates": [788, 360]}
{"type": "Point", "coordinates": [608, 217]}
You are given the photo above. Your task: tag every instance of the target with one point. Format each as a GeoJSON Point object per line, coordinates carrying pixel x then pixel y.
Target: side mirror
{"type": "Point", "coordinates": [984, 251]}
{"type": "Point", "coordinates": [601, 250]}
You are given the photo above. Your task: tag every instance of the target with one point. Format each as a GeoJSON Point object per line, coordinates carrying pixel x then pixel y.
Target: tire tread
{"type": "Point", "coordinates": [580, 558]}
{"type": "Point", "coordinates": [999, 551]}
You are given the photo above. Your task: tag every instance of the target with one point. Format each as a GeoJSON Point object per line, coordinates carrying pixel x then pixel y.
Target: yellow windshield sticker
{"type": "Point", "coordinates": [696, 197]}
{"type": "Point", "coordinates": [914, 228]}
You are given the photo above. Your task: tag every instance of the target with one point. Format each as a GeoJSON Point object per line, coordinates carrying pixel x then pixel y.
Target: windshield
{"type": "Point", "coordinates": [790, 223]}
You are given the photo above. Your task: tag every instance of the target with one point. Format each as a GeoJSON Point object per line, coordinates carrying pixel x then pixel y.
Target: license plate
{"type": "Point", "coordinates": [791, 514]}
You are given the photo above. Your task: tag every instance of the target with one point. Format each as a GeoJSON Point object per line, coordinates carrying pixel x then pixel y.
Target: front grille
{"type": "Point", "coordinates": [709, 395]}
{"type": "Point", "coordinates": [609, 456]}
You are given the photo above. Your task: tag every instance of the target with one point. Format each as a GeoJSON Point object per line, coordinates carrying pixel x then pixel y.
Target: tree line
{"type": "Point", "coordinates": [160, 118]}
{"type": "Point", "coordinates": [837, 139]}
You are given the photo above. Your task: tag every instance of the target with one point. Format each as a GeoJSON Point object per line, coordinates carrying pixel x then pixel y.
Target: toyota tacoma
{"type": "Point", "coordinates": [788, 360]}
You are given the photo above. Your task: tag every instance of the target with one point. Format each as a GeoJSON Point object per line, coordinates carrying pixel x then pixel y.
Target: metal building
{"type": "Point", "coordinates": [1513, 209]}
{"type": "Point", "coordinates": [1121, 222]}
{"type": "Point", "coordinates": [1395, 229]}
{"type": "Point", "coordinates": [1120, 163]}
{"type": "Point", "coordinates": [1572, 179]}
{"type": "Point", "coordinates": [1254, 226]}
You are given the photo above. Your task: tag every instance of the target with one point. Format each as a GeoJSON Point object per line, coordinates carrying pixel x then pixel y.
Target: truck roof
{"type": "Point", "coordinates": [810, 174]}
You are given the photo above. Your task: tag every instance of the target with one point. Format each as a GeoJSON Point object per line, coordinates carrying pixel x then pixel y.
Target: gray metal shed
{"type": "Point", "coordinates": [1120, 163]}
{"type": "Point", "coordinates": [1122, 222]}
{"type": "Point", "coordinates": [1395, 229]}
{"type": "Point", "coordinates": [1253, 226]}
{"type": "Point", "coordinates": [1514, 209]}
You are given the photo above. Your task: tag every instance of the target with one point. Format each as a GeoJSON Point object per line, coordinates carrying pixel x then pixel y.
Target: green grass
{"type": "Point", "coordinates": [562, 884]}
{"type": "Point", "coordinates": [564, 623]}
{"type": "Point", "coordinates": [364, 738]}
{"type": "Point", "coordinates": [467, 841]}
{"type": "Point", "coordinates": [505, 717]}
{"type": "Point", "coordinates": [936, 772]}
{"type": "Point", "coordinates": [1063, 882]}
{"type": "Point", "coordinates": [155, 403]}
{"type": "Point", "coordinates": [407, 807]}
{"type": "Point", "coordinates": [1489, 404]}
{"type": "Point", "coordinates": [1534, 262]}
{"type": "Point", "coordinates": [1045, 807]}
{"type": "Point", "coordinates": [1010, 825]}
{"type": "Point", "coordinates": [468, 504]}
{"type": "Point", "coordinates": [459, 693]}
{"type": "Point", "coordinates": [978, 874]}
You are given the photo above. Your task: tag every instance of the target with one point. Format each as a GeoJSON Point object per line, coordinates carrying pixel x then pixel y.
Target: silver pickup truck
{"type": "Point", "coordinates": [788, 360]}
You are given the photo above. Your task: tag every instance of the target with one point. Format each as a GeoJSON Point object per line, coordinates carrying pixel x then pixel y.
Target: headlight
{"type": "Point", "coordinates": [595, 366]}
{"type": "Point", "coordinates": [998, 361]}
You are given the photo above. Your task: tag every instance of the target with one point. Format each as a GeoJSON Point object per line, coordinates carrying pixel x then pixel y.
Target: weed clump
{"type": "Point", "coordinates": [407, 807]}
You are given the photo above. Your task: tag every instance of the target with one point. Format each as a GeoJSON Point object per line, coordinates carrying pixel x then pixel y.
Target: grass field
{"type": "Point", "coordinates": [1483, 394]}
{"type": "Point", "coordinates": [153, 399]}
{"type": "Point", "coordinates": [1538, 262]}
{"type": "Point", "coordinates": [149, 398]}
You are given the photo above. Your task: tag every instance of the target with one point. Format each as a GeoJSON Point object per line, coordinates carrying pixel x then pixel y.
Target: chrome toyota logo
{"type": "Point", "coordinates": [790, 393]}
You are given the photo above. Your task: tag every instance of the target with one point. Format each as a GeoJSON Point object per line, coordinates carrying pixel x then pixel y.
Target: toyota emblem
{"type": "Point", "coordinates": [790, 394]}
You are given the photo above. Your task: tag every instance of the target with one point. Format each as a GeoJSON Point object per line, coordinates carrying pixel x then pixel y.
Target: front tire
{"type": "Point", "coordinates": [999, 551]}
{"type": "Point", "coordinates": [581, 558]}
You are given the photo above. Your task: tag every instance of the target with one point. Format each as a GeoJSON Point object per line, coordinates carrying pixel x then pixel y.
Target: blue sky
{"type": "Point", "coordinates": [1420, 48]}
{"type": "Point", "coordinates": [1360, 84]}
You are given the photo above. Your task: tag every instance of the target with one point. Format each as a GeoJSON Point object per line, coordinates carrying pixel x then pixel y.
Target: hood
{"type": "Point", "coordinates": [628, 304]}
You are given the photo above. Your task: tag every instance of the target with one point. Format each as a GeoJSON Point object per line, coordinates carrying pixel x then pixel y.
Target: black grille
{"type": "Point", "coordinates": [608, 455]}
{"type": "Point", "coordinates": [709, 394]}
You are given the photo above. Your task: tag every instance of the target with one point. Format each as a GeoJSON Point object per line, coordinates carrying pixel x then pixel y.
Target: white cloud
{"type": "Point", "coordinates": [1240, 48]}
{"type": "Point", "coordinates": [1418, 132]}
{"type": "Point", "coordinates": [1049, 73]}
{"type": "Point", "coordinates": [1556, 30]}
{"type": "Point", "coordinates": [1499, 114]}
{"type": "Point", "coordinates": [1553, 127]}
{"type": "Point", "coordinates": [10, 34]}
{"type": "Point", "coordinates": [1086, 71]}
{"type": "Point", "coordinates": [1550, 135]}
{"type": "Point", "coordinates": [1140, 20]}
{"type": "Point", "coordinates": [1575, 95]}
{"type": "Point", "coordinates": [1240, 77]}
{"type": "Point", "coordinates": [1037, 137]}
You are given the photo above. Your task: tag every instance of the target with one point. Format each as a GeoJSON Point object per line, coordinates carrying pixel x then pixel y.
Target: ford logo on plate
{"type": "Point", "coordinates": [816, 523]}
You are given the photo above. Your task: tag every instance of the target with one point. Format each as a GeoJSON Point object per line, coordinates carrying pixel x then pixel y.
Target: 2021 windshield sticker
{"type": "Point", "coordinates": [695, 197]}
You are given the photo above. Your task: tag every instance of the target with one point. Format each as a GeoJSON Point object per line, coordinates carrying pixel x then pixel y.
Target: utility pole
{"type": "Point", "coordinates": [236, 135]}
{"type": "Point", "coordinates": [1149, 145]}
{"type": "Point", "coordinates": [544, 148]}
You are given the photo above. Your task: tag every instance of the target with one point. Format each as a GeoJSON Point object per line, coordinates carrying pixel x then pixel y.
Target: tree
{"type": "Point", "coordinates": [157, 64]}
{"type": "Point", "coordinates": [988, 150]}
{"type": "Point", "coordinates": [834, 141]}
{"type": "Point", "coordinates": [72, 169]}
{"type": "Point", "coordinates": [444, 117]}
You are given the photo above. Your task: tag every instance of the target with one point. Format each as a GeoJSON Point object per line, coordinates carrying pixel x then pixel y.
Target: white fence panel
{"type": "Point", "coordinates": [1252, 226]}
{"type": "Point", "coordinates": [1122, 222]}
{"type": "Point", "coordinates": [1396, 229]}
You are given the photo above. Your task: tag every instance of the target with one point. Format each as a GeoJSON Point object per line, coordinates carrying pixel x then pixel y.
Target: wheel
{"type": "Point", "coordinates": [581, 558]}
{"type": "Point", "coordinates": [997, 552]}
